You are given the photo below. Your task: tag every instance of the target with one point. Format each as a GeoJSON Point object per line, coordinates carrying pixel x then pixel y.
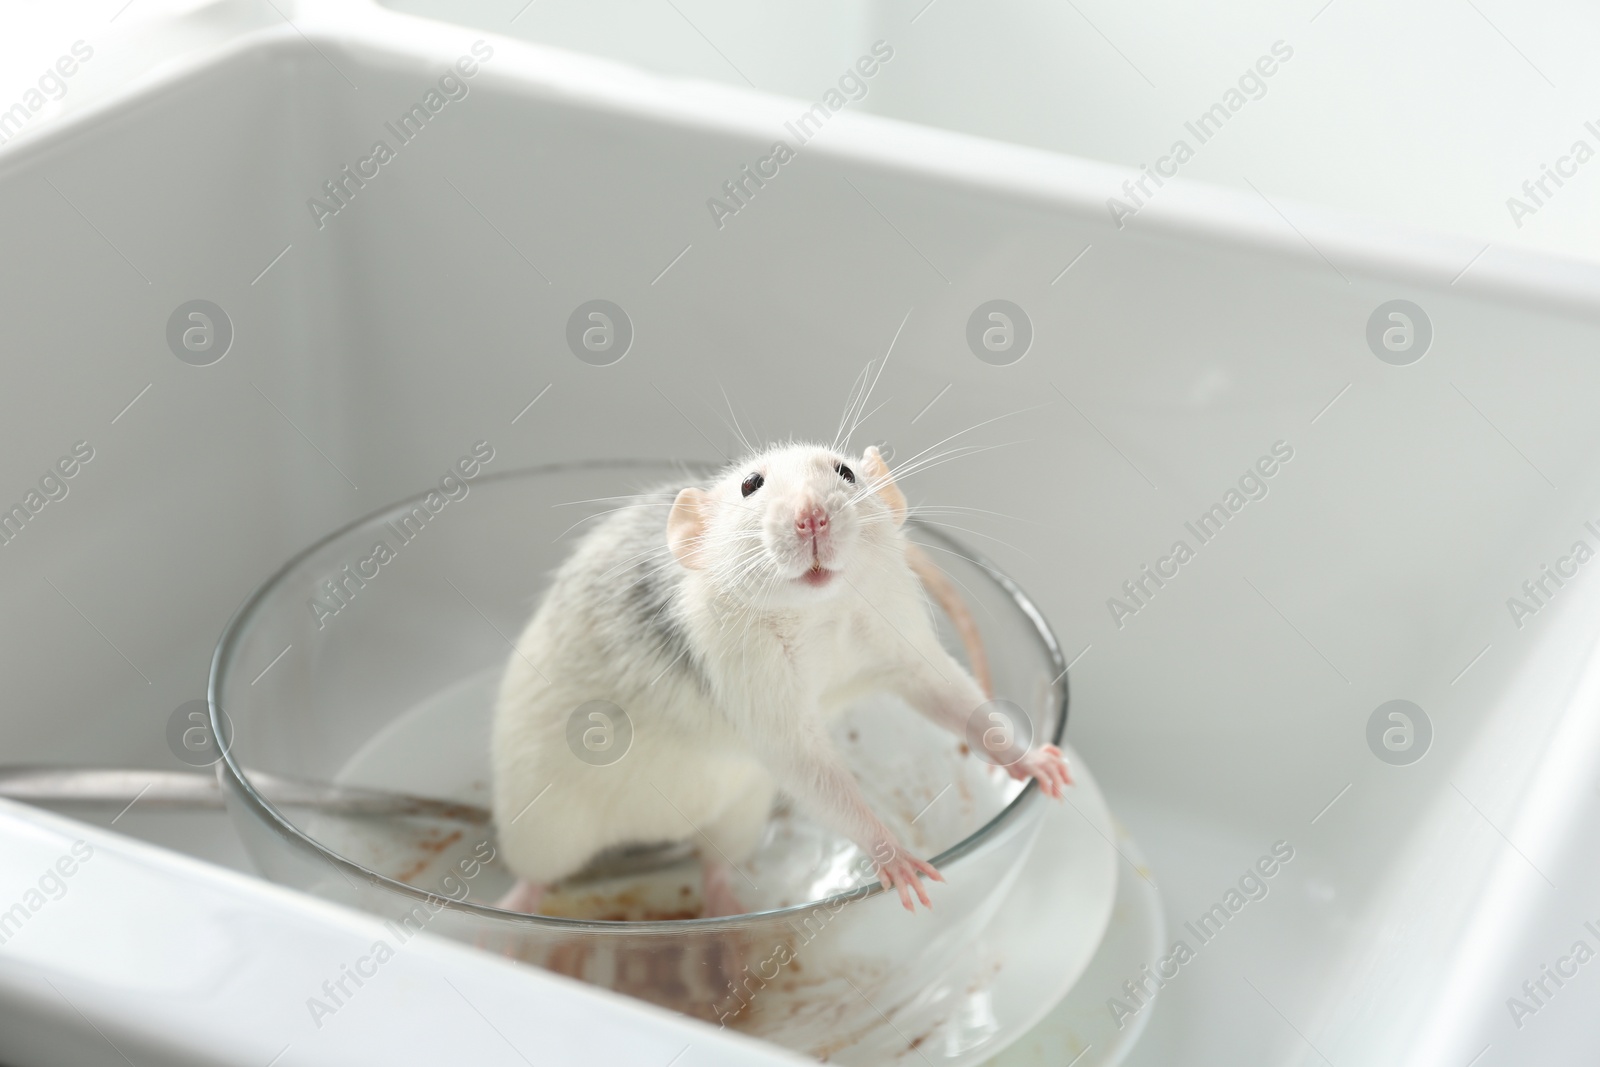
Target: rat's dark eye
{"type": "Point", "coordinates": [845, 472]}
{"type": "Point", "coordinates": [752, 483]}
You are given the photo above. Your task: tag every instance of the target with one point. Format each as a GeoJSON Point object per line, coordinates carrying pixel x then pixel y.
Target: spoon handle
{"type": "Point", "coordinates": [199, 791]}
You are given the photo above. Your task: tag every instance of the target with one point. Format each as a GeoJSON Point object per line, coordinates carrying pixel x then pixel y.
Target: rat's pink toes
{"type": "Point", "coordinates": [1047, 766]}
{"type": "Point", "coordinates": [904, 875]}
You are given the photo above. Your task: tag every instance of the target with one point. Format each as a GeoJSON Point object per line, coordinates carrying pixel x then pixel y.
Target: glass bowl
{"type": "Point", "coordinates": [376, 667]}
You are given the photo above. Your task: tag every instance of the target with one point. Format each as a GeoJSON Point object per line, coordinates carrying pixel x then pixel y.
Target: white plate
{"type": "Point", "coordinates": [1041, 941]}
{"type": "Point", "coordinates": [1080, 1030]}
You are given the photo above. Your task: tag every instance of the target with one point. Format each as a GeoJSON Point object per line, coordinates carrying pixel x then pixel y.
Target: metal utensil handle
{"type": "Point", "coordinates": [199, 791]}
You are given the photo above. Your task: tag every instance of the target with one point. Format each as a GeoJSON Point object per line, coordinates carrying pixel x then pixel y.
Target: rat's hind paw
{"type": "Point", "coordinates": [717, 896]}
{"type": "Point", "coordinates": [904, 873]}
{"type": "Point", "coordinates": [524, 897]}
{"type": "Point", "coordinates": [1047, 766]}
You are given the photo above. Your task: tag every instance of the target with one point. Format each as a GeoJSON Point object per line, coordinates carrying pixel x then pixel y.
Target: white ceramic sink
{"type": "Point", "coordinates": [1228, 713]}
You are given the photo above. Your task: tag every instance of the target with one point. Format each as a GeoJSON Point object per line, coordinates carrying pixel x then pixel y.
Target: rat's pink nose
{"type": "Point", "coordinates": [811, 522]}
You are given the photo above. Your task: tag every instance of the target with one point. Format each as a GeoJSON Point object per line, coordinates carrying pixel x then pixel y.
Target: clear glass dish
{"type": "Point", "coordinates": [378, 669]}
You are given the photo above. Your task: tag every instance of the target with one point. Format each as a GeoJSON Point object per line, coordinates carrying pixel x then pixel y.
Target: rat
{"type": "Point", "coordinates": [730, 621]}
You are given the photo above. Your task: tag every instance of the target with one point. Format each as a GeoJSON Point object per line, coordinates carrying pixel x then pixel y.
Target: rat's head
{"type": "Point", "coordinates": [785, 524]}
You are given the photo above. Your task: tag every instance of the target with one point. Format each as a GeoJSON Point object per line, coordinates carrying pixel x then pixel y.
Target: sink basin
{"type": "Point", "coordinates": [1231, 695]}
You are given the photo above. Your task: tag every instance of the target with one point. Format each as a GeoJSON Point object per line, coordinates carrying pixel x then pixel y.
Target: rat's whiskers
{"type": "Point", "coordinates": [979, 533]}
{"type": "Point", "coordinates": [853, 417]}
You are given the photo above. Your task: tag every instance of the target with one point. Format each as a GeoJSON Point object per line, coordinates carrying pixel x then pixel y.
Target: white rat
{"type": "Point", "coordinates": [730, 622]}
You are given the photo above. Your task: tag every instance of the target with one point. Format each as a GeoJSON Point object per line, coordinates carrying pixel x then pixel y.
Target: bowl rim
{"type": "Point", "coordinates": [229, 771]}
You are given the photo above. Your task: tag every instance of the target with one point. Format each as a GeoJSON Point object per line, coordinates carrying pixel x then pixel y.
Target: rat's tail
{"type": "Point", "coordinates": [944, 591]}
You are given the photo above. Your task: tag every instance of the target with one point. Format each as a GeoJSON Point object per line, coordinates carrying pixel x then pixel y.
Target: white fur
{"type": "Point", "coordinates": [767, 659]}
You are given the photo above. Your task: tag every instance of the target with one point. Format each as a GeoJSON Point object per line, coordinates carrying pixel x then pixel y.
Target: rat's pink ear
{"type": "Point", "coordinates": [686, 526]}
{"type": "Point", "coordinates": [878, 476]}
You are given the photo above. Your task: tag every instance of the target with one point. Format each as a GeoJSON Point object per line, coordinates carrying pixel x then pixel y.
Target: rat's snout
{"type": "Point", "coordinates": [816, 541]}
{"type": "Point", "coordinates": [811, 521]}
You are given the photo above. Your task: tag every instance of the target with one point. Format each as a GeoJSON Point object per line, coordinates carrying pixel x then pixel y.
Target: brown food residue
{"type": "Point", "coordinates": [430, 848]}
{"type": "Point", "coordinates": [628, 906]}
{"type": "Point", "coordinates": [650, 915]}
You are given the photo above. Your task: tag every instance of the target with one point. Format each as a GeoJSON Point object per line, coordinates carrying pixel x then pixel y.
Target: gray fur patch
{"type": "Point", "coordinates": [653, 581]}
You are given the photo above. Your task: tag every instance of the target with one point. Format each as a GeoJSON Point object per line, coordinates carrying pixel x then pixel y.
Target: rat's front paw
{"type": "Point", "coordinates": [1047, 766]}
{"type": "Point", "coordinates": [904, 873]}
